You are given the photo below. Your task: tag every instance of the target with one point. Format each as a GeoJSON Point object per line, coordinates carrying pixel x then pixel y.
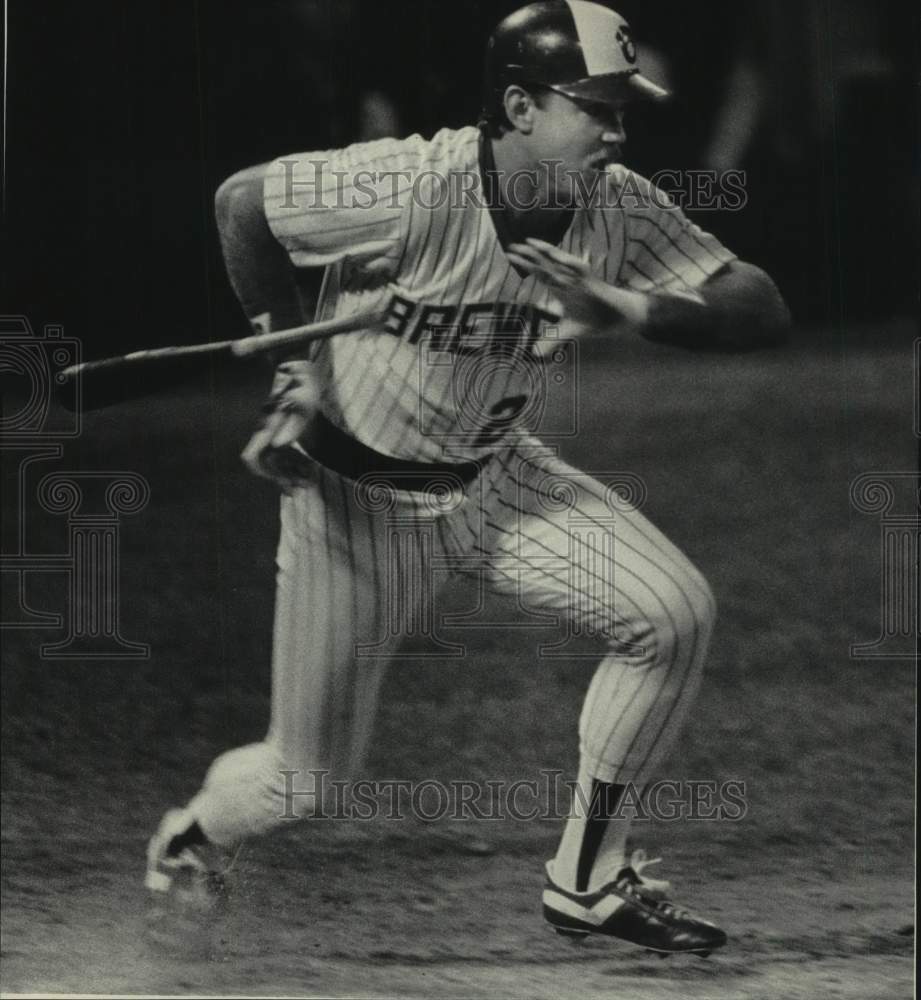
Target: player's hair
{"type": "Point", "coordinates": [493, 118]}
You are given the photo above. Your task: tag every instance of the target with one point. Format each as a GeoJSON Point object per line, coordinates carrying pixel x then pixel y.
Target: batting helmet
{"type": "Point", "coordinates": [575, 47]}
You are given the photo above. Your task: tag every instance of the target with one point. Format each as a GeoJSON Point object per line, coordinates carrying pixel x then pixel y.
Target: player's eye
{"type": "Point", "coordinates": [608, 113]}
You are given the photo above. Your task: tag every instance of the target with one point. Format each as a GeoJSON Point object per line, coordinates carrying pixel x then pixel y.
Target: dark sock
{"type": "Point", "coordinates": [602, 805]}
{"type": "Point", "coordinates": [189, 838]}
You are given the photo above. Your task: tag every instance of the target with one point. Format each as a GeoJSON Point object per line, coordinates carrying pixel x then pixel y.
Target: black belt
{"type": "Point", "coordinates": [340, 452]}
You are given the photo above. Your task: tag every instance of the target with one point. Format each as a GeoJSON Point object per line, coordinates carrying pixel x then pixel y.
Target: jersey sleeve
{"type": "Point", "coordinates": [325, 206]}
{"type": "Point", "coordinates": [663, 249]}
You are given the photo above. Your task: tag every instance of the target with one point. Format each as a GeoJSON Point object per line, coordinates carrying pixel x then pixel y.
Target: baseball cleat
{"type": "Point", "coordinates": [181, 869]}
{"type": "Point", "coordinates": [620, 909]}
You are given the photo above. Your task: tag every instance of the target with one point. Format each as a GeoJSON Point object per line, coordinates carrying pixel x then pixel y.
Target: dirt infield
{"type": "Point", "coordinates": [461, 928]}
{"type": "Point", "coordinates": [748, 463]}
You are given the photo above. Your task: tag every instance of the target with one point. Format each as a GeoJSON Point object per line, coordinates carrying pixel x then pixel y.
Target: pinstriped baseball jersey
{"type": "Point", "coordinates": [457, 364]}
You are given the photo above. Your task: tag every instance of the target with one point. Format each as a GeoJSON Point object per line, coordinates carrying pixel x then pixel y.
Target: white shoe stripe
{"type": "Point", "coordinates": [595, 915]}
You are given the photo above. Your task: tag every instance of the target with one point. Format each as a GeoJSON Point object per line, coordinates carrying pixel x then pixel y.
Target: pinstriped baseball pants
{"type": "Point", "coordinates": [355, 568]}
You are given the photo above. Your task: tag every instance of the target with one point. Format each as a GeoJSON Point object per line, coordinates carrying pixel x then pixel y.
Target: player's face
{"type": "Point", "coordinates": [582, 137]}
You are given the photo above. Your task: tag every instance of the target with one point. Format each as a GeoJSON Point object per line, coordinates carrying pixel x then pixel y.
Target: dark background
{"type": "Point", "coordinates": [124, 117]}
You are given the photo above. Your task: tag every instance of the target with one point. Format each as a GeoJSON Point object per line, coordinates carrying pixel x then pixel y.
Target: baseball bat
{"type": "Point", "coordinates": [96, 384]}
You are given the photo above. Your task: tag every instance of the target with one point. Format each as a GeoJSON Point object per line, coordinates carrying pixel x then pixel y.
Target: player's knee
{"type": "Point", "coordinates": [701, 599]}
{"type": "Point", "coordinates": [680, 618]}
{"type": "Point", "coordinates": [690, 613]}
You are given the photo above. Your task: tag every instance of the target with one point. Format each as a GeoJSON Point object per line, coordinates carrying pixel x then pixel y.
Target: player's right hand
{"type": "Point", "coordinates": [272, 451]}
{"type": "Point", "coordinates": [586, 298]}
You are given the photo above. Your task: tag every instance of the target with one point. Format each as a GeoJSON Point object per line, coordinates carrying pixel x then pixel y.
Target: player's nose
{"type": "Point", "coordinates": [614, 130]}
{"type": "Point", "coordinates": [614, 134]}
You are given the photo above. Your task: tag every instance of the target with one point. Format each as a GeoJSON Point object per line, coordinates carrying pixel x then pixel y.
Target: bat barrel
{"type": "Point", "coordinates": [96, 384]}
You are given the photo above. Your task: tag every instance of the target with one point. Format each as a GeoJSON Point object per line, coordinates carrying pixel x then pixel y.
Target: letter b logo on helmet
{"type": "Point", "coordinates": [627, 45]}
{"type": "Point", "coordinates": [575, 47]}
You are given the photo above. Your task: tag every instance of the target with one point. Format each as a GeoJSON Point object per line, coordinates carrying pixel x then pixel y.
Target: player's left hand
{"type": "Point", "coordinates": [586, 298]}
{"type": "Point", "coordinates": [272, 451]}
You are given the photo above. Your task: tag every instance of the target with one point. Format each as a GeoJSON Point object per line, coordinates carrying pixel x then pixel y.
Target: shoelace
{"type": "Point", "coordinates": [664, 906]}
{"type": "Point", "coordinates": [639, 862]}
{"type": "Point", "coordinates": [629, 887]}
{"type": "Point", "coordinates": [671, 910]}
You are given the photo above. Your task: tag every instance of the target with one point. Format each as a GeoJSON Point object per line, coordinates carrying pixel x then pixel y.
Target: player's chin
{"type": "Point", "coordinates": [576, 188]}
{"type": "Point", "coordinates": [589, 184]}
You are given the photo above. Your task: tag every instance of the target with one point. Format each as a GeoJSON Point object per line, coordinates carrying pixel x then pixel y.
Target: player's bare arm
{"type": "Point", "coordinates": [738, 308]}
{"type": "Point", "coordinates": [742, 309]}
{"type": "Point", "coordinates": [257, 265]}
{"type": "Point", "coordinates": [264, 281]}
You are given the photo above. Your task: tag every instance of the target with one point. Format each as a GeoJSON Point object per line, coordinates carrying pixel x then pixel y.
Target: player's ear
{"type": "Point", "coordinates": [519, 108]}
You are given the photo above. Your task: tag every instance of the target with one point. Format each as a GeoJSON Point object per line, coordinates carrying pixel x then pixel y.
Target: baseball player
{"type": "Point", "coordinates": [482, 243]}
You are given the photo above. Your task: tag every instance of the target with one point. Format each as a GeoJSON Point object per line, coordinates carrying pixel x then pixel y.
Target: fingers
{"type": "Point", "coordinates": [532, 267]}
{"type": "Point", "coordinates": [254, 452]}
{"type": "Point", "coordinates": [554, 266]}
{"type": "Point", "coordinates": [537, 259]}
{"type": "Point", "coordinates": [271, 452]}
{"type": "Point", "coordinates": [286, 467]}
{"type": "Point", "coordinates": [561, 257]}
